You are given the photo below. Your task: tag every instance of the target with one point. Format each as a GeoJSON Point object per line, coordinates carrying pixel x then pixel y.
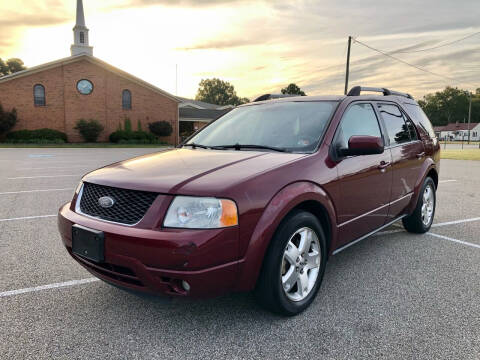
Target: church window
{"type": "Point", "coordinates": [39, 95]}
{"type": "Point", "coordinates": [126, 100]}
{"type": "Point", "coordinates": [82, 37]}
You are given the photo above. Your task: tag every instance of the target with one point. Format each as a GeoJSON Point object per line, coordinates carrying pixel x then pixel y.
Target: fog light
{"type": "Point", "coordinates": [185, 285]}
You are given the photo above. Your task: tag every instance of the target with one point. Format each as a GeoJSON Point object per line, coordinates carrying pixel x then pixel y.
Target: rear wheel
{"type": "Point", "coordinates": [421, 219]}
{"type": "Point", "coordinates": [294, 265]}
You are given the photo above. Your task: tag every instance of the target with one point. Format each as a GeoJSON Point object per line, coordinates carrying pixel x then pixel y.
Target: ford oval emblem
{"type": "Point", "coordinates": [106, 202]}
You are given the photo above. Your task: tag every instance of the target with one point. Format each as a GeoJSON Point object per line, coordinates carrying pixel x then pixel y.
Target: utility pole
{"type": "Point", "coordinates": [469, 115]}
{"type": "Point", "coordinates": [348, 64]}
{"type": "Point", "coordinates": [176, 79]}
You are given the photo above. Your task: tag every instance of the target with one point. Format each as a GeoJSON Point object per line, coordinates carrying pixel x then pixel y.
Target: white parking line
{"type": "Point", "coordinates": [34, 191]}
{"type": "Point", "coordinates": [445, 181]}
{"type": "Point", "coordinates": [456, 222]}
{"type": "Point", "coordinates": [46, 287]}
{"type": "Point", "coordinates": [454, 240]}
{"type": "Point", "coordinates": [42, 176]}
{"type": "Point", "coordinates": [387, 232]}
{"type": "Point", "coordinates": [52, 167]}
{"type": "Point", "coordinates": [27, 218]}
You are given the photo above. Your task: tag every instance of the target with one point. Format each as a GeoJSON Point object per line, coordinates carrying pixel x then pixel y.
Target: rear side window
{"type": "Point", "coordinates": [359, 119]}
{"type": "Point", "coordinates": [417, 114]}
{"type": "Point", "coordinates": [411, 129]}
{"type": "Point", "coordinates": [397, 129]}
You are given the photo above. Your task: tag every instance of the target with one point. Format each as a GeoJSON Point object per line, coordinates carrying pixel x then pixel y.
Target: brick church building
{"type": "Point", "coordinates": [57, 94]}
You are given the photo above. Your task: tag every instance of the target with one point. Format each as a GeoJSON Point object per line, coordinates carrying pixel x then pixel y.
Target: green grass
{"type": "Point", "coordinates": [458, 142]}
{"type": "Point", "coordinates": [82, 145]}
{"type": "Point", "coordinates": [459, 154]}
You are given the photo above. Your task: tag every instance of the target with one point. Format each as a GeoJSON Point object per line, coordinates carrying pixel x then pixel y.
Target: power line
{"type": "Point", "coordinates": [411, 65]}
{"type": "Point", "coordinates": [437, 47]}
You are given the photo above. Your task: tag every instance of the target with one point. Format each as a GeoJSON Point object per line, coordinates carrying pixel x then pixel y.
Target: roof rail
{"type": "Point", "coordinates": [356, 90]}
{"type": "Point", "coordinates": [272, 96]}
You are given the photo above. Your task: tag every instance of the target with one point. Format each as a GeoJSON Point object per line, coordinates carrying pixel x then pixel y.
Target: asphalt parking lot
{"type": "Point", "coordinates": [394, 295]}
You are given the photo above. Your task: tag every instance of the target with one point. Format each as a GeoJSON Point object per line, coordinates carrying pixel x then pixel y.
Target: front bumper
{"type": "Point", "coordinates": [147, 259]}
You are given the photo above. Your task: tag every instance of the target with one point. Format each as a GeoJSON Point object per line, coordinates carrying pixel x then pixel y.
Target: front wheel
{"type": "Point", "coordinates": [421, 219]}
{"type": "Point", "coordinates": [294, 265]}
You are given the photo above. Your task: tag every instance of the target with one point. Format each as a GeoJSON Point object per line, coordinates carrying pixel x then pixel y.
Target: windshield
{"type": "Point", "coordinates": [293, 126]}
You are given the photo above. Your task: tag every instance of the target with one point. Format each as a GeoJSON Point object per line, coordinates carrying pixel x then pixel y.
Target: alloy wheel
{"type": "Point", "coordinates": [300, 264]}
{"type": "Point", "coordinates": [428, 205]}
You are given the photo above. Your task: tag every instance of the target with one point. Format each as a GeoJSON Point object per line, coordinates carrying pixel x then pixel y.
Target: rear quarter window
{"type": "Point", "coordinates": [419, 117]}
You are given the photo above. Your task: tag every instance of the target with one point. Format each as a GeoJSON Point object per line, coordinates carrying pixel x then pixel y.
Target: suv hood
{"type": "Point", "coordinates": [169, 171]}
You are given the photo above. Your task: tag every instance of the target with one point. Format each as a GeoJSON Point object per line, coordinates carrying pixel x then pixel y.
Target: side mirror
{"type": "Point", "coordinates": [363, 145]}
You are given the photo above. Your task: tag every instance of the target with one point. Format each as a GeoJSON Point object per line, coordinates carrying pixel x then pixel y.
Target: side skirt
{"type": "Point", "coordinates": [367, 235]}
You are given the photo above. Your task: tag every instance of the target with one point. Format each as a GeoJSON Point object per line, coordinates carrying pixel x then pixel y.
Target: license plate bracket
{"type": "Point", "coordinates": [88, 243]}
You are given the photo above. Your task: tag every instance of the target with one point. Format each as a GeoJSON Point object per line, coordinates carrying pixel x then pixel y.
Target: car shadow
{"type": "Point", "coordinates": [342, 269]}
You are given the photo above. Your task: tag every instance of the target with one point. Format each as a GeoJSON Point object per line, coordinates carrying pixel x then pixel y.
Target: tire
{"type": "Point", "coordinates": [278, 274]}
{"type": "Point", "coordinates": [417, 221]}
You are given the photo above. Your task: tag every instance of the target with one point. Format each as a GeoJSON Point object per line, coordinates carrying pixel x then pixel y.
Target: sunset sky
{"type": "Point", "coordinates": [258, 46]}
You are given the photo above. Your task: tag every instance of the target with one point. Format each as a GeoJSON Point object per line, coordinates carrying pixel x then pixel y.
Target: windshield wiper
{"type": "Point", "coordinates": [246, 146]}
{"type": "Point", "coordinates": [193, 145]}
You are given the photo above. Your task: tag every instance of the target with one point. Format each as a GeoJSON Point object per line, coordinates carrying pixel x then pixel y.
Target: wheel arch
{"type": "Point", "coordinates": [434, 175]}
{"type": "Point", "coordinates": [430, 171]}
{"type": "Point", "coordinates": [299, 195]}
{"type": "Point", "coordinates": [320, 212]}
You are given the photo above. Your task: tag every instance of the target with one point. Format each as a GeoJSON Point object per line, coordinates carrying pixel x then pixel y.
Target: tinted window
{"type": "Point", "coordinates": [359, 119]}
{"type": "Point", "coordinates": [411, 129]}
{"type": "Point", "coordinates": [395, 124]}
{"type": "Point", "coordinates": [126, 100]}
{"type": "Point", "coordinates": [417, 114]}
{"type": "Point", "coordinates": [295, 126]}
{"type": "Point", "coordinates": [39, 95]}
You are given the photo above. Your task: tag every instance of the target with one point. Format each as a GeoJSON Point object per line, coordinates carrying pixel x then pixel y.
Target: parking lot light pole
{"type": "Point", "coordinates": [469, 115]}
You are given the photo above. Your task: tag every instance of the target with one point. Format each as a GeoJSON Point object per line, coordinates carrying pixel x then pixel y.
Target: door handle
{"type": "Point", "coordinates": [383, 165]}
{"type": "Point", "coordinates": [421, 155]}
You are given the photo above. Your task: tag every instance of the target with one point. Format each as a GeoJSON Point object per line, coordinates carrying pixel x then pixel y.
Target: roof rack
{"type": "Point", "coordinates": [356, 90]}
{"type": "Point", "coordinates": [272, 96]}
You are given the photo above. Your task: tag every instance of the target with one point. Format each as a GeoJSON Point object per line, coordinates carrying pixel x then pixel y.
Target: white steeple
{"type": "Point", "coordinates": [80, 34]}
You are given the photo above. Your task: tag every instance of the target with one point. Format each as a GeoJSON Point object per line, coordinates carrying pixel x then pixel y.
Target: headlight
{"type": "Point", "coordinates": [201, 213]}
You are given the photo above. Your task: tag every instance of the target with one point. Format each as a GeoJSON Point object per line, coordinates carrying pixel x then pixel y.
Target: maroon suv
{"type": "Point", "coordinates": [259, 199]}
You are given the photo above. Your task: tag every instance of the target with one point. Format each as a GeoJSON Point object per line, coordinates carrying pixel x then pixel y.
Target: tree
{"type": "Point", "coordinates": [219, 92]}
{"type": "Point", "coordinates": [450, 105]}
{"type": "Point", "coordinates": [4, 70]}
{"type": "Point", "coordinates": [11, 66]}
{"type": "Point", "coordinates": [293, 89]}
{"type": "Point", "coordinates": [15, 65]}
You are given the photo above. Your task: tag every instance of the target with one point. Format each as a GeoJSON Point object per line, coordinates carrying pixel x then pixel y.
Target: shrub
{"type": "Point", "coordinates": [127, 125]}
{"type": "Point", "coordinates": [161, 128]}
{"type": "Point", "coordinates": [118, 135]}
{"type": "Point", "coordinates": [139, 125]}
{"type": "Point", "coordinates": [37, 136]}
{"type": "Point", "coordinates": [8, 119]}
{"type": "Point", "coordinates": [89, 129]}
{"type": "Point", "coordinates": [133, 137]}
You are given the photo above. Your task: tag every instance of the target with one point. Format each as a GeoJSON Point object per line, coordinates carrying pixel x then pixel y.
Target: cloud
{"type": "Point", "coordinates": [11, 23]}
{"type": "Point", "coordinates": [223, 44]}
{"type": "Point", "coordinates": [27, 14]}
{"type": "Point", "coordinates": [19, 20]}
{"type": "Point", "coordinates": [261, 46]}
{"type": "Point", "coordinates": [180, 3]}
